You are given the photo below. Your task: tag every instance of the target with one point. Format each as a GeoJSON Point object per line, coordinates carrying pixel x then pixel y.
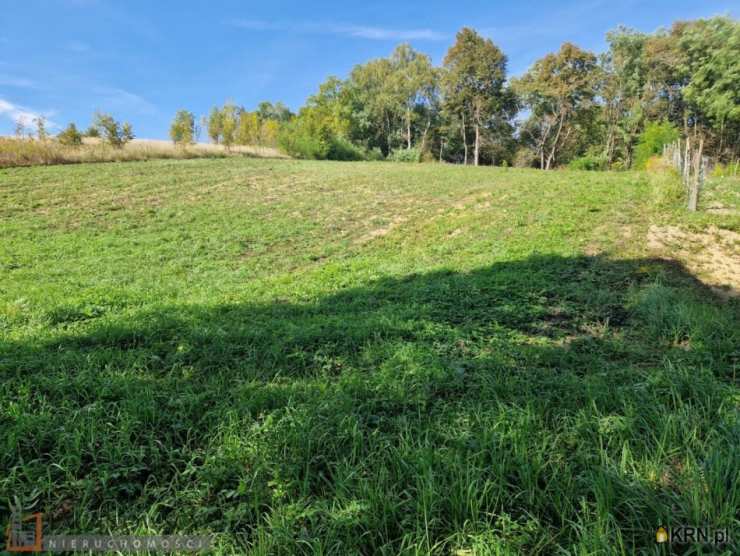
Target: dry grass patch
{"type": "Point", "coordinates": [713, 254]}
{"type": "Point", "coordinates": [28, 152]}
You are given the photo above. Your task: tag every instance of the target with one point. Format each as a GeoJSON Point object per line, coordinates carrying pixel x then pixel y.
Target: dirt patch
{"type": "Point", "coordinates": [718, 208]}
{"type": "Point", "coordinates": [713, 255]}
{"type": "Point", "coordinates": [380, 232]}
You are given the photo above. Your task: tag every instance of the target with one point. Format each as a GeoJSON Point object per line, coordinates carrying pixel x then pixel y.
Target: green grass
{"type": "Point", "coordinates": [360, 358]}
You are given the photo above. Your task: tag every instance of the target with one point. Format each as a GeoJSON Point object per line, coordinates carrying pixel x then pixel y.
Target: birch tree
{"type": "Point", "coordinates": [558, 89]}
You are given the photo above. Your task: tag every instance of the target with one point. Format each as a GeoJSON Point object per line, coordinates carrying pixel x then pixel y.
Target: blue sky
{"type": "Point", "coordinates": [142, 60]}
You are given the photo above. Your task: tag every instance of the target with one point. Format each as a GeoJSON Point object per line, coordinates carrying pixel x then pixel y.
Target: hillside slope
{"type": "Point", "coordinates": [307, 357]}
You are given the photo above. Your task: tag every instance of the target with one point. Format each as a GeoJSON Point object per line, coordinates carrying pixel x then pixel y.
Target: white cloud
{"type": "Point", "coordinates": [356, 31]}
{"type": "Point", "coordinates": [26, 116]}
{"type": "Point", "coordinates": [112, 98]}
{"type": "Point", "coordinates": [378, 33]}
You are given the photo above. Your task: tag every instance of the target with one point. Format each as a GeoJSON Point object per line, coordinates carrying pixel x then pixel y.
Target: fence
{"type": "Point", "coordinates": [691, 164]}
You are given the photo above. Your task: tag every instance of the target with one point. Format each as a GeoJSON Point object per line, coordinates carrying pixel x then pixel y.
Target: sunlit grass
{"type": "Point", "coordinates": [340, 358]}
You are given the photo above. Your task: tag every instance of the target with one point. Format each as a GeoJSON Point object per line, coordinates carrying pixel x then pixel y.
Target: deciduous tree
{"type": "Point", "coordinates": [182, 129]}
{"type": "Point", "coordinates": [475, 73]}
{"type": "Point", "coordinates": [559, 90]}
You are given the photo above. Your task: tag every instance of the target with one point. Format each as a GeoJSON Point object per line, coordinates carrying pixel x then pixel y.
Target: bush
{"type": "Point", "coordinates": [374, 154]}
{"type": "Point", "coordinates": [299, 143]}
{"type": "Point", "coordinates": [342, 149]}
{"type": "Point", "coordinates": [524, 158]}
{"type": "Point", "coordinates": [405, 155]}
{"type": "Point", "coordinates": [592, 160]}
{"type": "Point", "coordinates": [651, 141]}
{"type": "Point", "coordinates": [302, 139]}
{"type": "Point", "coordinates": [70, 137]}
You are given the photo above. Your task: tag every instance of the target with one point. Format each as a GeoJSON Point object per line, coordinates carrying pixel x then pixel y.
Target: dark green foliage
{"type": "Point", "coordinates": [342, 149]}
{"type": "Point", "coordinates": [577, 102]}
{"type": "Point", "coordinates": [474, 77]}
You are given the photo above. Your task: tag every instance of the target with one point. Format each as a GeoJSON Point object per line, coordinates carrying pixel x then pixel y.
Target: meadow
{"type": "Point", "coordinates": [304, 357]}
{"type": "Point", "coordinates": [31, 152]}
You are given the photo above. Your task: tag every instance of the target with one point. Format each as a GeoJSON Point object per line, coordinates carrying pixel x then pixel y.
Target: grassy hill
{"type": "Point", "coordinates": [373, 358]}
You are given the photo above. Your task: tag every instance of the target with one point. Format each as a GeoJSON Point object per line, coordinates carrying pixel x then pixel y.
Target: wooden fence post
{"type": "Point", "coordinates": [686, 166]}
{"type": "Point", "coordinates": [698, 177]}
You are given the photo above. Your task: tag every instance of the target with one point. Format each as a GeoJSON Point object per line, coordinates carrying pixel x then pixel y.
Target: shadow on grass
{"type": "Point", "coordinates": [549, 402]}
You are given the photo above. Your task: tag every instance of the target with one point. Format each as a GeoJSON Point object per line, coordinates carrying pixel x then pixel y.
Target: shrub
{"type": "Point", "coordinates": [342, 149]}
{"type": "Point", "coordinates": [651, 141]}
{"type": "Point", "coordinates": [70, 137]}
{"type": "Point", "coordinates": [592, 160]}
{"type": "Point", "coordinates": [374, 154]}
{"type": "Point", "coordinates": [115, 134]}
{"type": "Point", "coordinates": [405, 155]}
{"type": "Point", "coordinates": [308, 139]}
{"type": "Point", "coordinates": [298, 142]}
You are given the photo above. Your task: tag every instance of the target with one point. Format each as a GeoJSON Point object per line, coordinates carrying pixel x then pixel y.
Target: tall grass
{"type": "Point", "coordinates": [30, 152]}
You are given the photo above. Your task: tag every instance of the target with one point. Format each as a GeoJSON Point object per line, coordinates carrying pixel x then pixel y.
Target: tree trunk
{"type": "Point", "coordinates": [541, 144]}
{"type": "Point", "coordinates": [388, 133]}
{"type": "Point", "coordinates": [476, 154]}
{"type": "Point", "coordinates": [609, 151]}
{"type": "Point", "coordinates": [408, 129]}
{"type": "Point", "coordinates": [551, 156]}
{"type": "Point", "coordinates": [424, 135]}
{"type": "Point", "coordinates": [465, 140]}
{"type": "Point", "coordinates": [477, 143]}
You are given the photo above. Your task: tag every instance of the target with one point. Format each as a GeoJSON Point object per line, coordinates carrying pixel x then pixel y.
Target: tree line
{"type": "Point", "coordinates": [104, 127]}
{"type": "Point", "coordinates": [233, 125]}
{"type": "Point", "coordinates": [587, 110]}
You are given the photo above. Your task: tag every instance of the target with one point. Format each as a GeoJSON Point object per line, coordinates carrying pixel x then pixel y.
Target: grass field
{"type": "Point", "coordinates": [363, 358]}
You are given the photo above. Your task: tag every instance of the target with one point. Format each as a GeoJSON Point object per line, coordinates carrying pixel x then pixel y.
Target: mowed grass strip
{"type": "Point", "coordinates": [360, 358]}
